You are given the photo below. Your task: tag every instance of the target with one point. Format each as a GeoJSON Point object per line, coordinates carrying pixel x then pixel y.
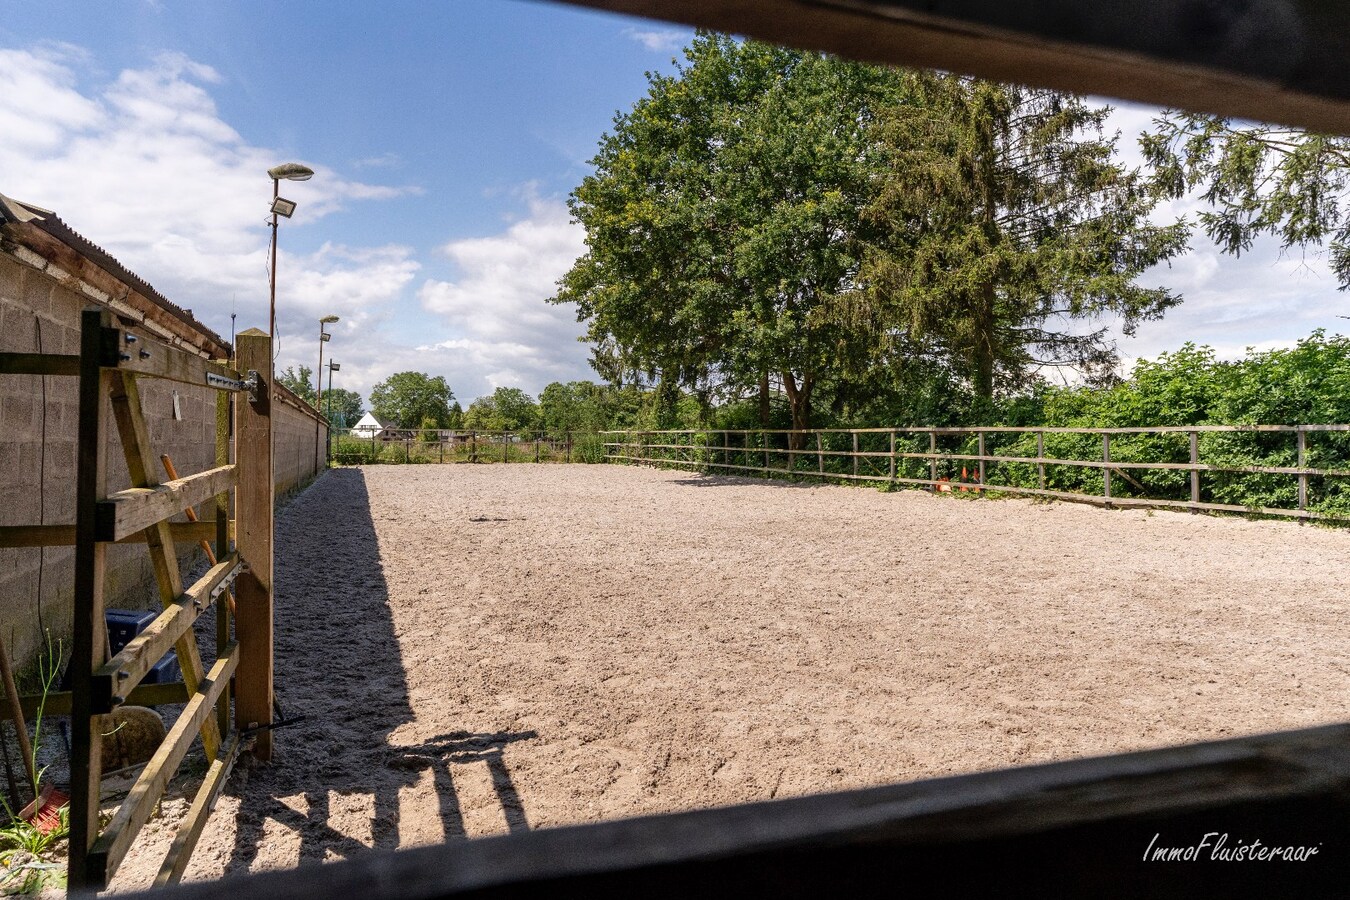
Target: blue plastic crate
{"type": "Point", "coordinates": [125, 624]}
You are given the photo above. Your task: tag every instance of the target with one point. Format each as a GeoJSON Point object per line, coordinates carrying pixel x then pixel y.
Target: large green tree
{"type": "Point", "coordinates": [343, 407]}
{"type": "Point", "coordinates": [723, 223]}
{"type": "Point", "coordinates": [1009, 231]}
{"type": "Point", "coordinates": [1258, 180]}
{"type": "Point", "coordinates": [299, 382]}
{"type": "Point", "coordinates": [408, 398]}
{"type": "Point", "coordinates": [505, 409]}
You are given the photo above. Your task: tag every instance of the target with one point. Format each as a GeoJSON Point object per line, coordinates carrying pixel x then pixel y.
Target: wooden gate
{"type": "Point", "coordinates": [111, 362]}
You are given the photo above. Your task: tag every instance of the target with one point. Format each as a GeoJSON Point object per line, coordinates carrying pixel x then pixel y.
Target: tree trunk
{"type": "Point", "coordinates": [984, 347]}
{"type": "Point", "coordinates": [799, 401]}
{"type": "Point", "coordinates": [764, 400]}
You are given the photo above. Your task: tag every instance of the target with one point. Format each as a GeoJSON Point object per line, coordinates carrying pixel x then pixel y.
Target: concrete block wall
{"type": "Point", "coordinates": [38, 434]}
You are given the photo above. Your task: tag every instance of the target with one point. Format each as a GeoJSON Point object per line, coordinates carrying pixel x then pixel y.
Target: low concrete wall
{"type": "Point", "coordinates": [38, 433]}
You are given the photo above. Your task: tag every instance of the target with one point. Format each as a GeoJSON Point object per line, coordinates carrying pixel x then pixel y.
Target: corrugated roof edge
{"type": "Point", "coordinates": [12, 210]}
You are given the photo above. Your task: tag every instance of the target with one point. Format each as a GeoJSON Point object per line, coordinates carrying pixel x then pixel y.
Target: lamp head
{"type": "Point", "coordinates": [327, 319]}
{"type": "Point", "coordinates": [290, 172]}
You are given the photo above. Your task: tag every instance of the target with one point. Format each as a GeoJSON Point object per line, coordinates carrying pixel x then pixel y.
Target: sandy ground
{"type": "Point", "coordinates": [487, 648]}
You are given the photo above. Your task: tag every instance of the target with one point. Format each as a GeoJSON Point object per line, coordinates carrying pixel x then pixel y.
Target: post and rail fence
{"type": "Point", "coordinates": [1299, 471]}
{"type": "Point", "coordinates": [112, 360]}
{"type": "Point", "coordinates": [473, 446]}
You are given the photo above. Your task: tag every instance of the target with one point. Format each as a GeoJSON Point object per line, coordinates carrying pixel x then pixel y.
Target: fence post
{"type": "Point", "coordinates": [89, 645]}
{"type": "Point", "coordinates": [253, 539]}
{"type": "Point", "coordinates": [1302, 464]}
{"type": "Point", "coordinates": [764, 441]}
{"type": "Point", "coordinates": [440, 445]}
{"type": "Point", "coordinates": [407, 450]}
{"type": "Point", "coordinates": [1195, 472]}
{"type": "Point", "coordinates": [820, 455]}
{"type": "Point", "coordinates": [1040, 455]}
{"type": "Point", "coordinates": [1106, 467]}
{"type": "Point", "coordinates": [473, 446]}
{"type": "Point", "coordinates": [892, 471]}
{"type": "Point", "coordinates": [372, 446]}
{"type": "Point", "coordinates": [536, 448]}
{"type": "Point", "coordinates": [932, 458]}
{"type": "Point", "coordinates": [506, 446]}
{"type": "Point", "coordinates": [855, 454]}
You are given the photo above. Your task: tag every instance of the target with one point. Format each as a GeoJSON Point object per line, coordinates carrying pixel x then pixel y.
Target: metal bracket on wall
{"type": "Point", "coordinates": [251, 384]}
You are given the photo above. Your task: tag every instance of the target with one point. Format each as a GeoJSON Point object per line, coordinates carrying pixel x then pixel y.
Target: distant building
{"type": "Point", "coordinates": [372, 426]}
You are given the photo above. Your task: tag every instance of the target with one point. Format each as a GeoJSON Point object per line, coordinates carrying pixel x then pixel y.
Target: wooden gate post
{"type": "Point", "coordinates": [253, 539]}
{"type": "Point", "coordinates": [89, 643]}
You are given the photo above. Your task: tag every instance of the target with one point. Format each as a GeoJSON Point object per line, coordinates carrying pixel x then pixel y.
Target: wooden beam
{"type": "Point", "coordinates": [136, 509]}
{"type": "Point", "coordinates": [39, 364]}
{"type": "Point", "coordinates": [64, 535]}
{"type": "Point", "coordinates": [72, 261]}
{"type": "Point", "coordinates": [57, 703]}
{"type": "Point", "coordinates": [190, 829]}
{"type": "Point", "coordinates": [128, 352]}
{"type": "Point", "coordinates": [1270, 61]}
{"type": "Point", "coordinates": [124, 671]}
{"type": "Point", "coordinates": [129, 414]}
{"type": "Point", "coordinates": [111, 847]}
{"type": "Point", "coordinates": [253, 542]}
{"type": "Point", "coordinates": [89, 642]}
{"type": "Point", "coordinates": [1079, 828]}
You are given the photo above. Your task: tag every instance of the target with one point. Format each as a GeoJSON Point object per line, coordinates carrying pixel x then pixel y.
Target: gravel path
{"type": "Point", "coordinates": [484, 648]}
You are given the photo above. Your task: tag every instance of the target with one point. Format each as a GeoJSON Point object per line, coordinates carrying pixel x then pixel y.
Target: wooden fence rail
{"type": "Point", "coordinates": [919, 456]}
{"type": "Point", "coordinates": [418, 446]}
{"type": "Point", "coordinates": [108, 368]}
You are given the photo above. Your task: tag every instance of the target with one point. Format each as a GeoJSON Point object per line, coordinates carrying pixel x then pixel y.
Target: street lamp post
{"type": "Point", "coordinates": [332, 367]}
{"type": "Point", "coordinates": [281, 207]}
{"type": "Point", "coordinates": [318, 386]}
{"type": "Point", "coordinates": [318, 373]}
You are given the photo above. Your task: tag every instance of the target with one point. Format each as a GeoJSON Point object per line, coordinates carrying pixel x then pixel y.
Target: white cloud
{"type": "Point", "coordinates": [497, 305]}
{"type": "Point", "coordinates": [658, 40]}
{"type": "Point", "coordinates": [146, 167]}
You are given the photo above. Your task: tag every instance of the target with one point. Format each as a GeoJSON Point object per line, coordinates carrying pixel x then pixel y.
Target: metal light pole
{"type": "Point", "coordinates": [281, 207]}
{"type": "Point", "coordinates": [318, 388]}
{"type": "Point", "coordinates": [318, 373]}
{"type": "Point", "coordinates": [332, 367]}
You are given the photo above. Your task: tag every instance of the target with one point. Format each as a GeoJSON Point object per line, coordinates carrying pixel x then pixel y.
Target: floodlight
{"type": "Point", "coordinates": [283, 207]}
{"type": "Point", "coordinates": [290, 172]}
{"type": "Point", "coordinates": [334, 367]}
{"type": "Point", "coordinates": [325, 336]}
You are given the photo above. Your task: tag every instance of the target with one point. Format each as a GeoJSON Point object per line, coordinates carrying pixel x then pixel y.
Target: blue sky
{"type": "Point", "coordinates": [446, 137]}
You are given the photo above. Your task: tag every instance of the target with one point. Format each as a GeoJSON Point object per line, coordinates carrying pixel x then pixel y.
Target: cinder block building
{"type": "Point", "coordinates": [49, 274]}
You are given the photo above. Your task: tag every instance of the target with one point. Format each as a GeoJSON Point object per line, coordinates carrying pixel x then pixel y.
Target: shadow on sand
{"type": "Point", "coordinates": [338, 664]}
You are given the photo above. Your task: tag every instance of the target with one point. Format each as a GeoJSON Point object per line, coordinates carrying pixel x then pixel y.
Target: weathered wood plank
{"type": "Point", "coordinates": [108, 851]}
{"type": "Point", "coordinates": [136, 509]}
{"type": "Point", "coordinates": [57, 703]}
{"type": "Point", "coordinates": [39, 364]}
{"type": "Point", "coordinates": [1067, 829]}
{"type": "Point", "coordinates": [89, 641]}
{"type": "Point", "coordinates": [1276, 61]}
{"type": "Point", "coordinates": [64, 535]}
{"type": "Point", "coordinates": [253, 515]}
{"type": "Point", "coordinates": [125, 670]}
{"type": "Point", "coordinates": [129, 414]}
{"type": "Point", "coordinates": [190, 829]}
{"type": "Point", "coordinates": [128, 352]}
